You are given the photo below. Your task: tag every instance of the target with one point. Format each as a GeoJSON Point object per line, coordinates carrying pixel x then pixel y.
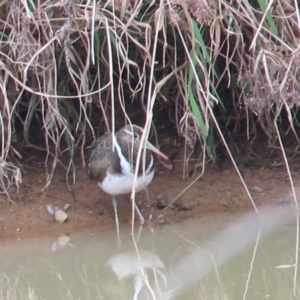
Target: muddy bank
{"type": "Point", "coordinates": [216, 191]}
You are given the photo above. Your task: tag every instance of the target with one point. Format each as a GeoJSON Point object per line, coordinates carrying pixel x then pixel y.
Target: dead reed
{"type": "Point", "coordinates": [68, 67]}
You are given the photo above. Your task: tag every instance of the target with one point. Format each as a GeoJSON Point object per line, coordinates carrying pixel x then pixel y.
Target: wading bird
{"type": "Point", "coordinates": [112, 161]}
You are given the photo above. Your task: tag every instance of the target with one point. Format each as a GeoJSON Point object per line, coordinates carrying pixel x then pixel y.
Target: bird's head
{"type": "Point", "coordinates": [133, 134]}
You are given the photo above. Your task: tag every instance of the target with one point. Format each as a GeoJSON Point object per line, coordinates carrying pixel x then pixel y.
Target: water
{"type": "Point", "coordinates": [218, 257]}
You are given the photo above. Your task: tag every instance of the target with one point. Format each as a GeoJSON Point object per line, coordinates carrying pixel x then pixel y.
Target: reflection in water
{"type": "Point", "coordinates": [60, 242]}
{"type": "Point", "coordinates": [227, 257]}
{"type": "Point", "coordinates": [136, 265]}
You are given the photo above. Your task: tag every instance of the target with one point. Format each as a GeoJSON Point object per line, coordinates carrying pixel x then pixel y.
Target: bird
{"type": "Point", "coordinates": [112, 161]}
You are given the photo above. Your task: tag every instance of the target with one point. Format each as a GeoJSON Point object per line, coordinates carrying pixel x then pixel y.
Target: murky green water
{"type": "Point", "coordinates": [227, 257]}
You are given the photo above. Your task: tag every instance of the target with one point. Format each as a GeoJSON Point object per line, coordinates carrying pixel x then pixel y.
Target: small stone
{"type": "Point", "coordinates": [60, 216]}
{"type": "Point", "coordinates": [67, 206]}
{"type": "Point", "coordinates": [51, 209]}
{"type": "Point", "coordinates": [161, 204]}
{"type": "Point", "coordinates": [257, 189]}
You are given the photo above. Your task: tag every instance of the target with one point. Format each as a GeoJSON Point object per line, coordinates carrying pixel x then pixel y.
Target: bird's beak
{"type": "Point", "coordinates": [156, 151]}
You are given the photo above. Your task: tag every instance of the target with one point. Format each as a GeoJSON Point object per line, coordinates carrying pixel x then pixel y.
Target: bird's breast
{"type": "Point", "coordinates": [119, 184]}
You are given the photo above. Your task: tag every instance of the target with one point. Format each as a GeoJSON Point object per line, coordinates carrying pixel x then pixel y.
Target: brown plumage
{"type": "Point", "coordinates": [102, 159]}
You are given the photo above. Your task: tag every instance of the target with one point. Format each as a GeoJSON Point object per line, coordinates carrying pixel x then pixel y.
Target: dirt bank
{"type": "Point", "coordinates": [219, 189]}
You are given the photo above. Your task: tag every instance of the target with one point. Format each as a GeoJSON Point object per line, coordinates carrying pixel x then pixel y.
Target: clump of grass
{"type": "Point", "coordinates": [73, 67]}
{"type": "Point", "coordinates": [9, 175]}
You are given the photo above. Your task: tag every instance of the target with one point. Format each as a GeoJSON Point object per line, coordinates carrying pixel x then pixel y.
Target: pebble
{"type": "Point", "coordinates": [60, 216]}
{"type": "Point", "coordinates": [162, 201]}
{"type": "Point", "coordinates": [257, 189]}
{"type": "Point", "coordinates": [162, 204]}
{"type": "Point", "coordinates": [67, 206]}
{"type": "Point", "coordinates": [51, 209]}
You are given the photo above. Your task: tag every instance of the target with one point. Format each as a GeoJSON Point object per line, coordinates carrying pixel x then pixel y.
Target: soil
{"type": "Point", "coordinates": [218, 190]}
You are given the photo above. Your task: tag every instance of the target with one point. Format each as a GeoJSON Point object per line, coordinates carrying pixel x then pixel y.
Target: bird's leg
{"type": "Point", "coordinates": [142, 220]}
{"type": "Point", "coordinates": [115, 205]}
{"type": "Point", "coordinates": [149, 204]}
{"type": "Point", "coordinates": [147, 195]}
{"type": "Point", "coordinates": [139, 232]}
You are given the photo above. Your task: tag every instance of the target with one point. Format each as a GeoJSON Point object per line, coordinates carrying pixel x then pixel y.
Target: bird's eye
{"type": "Point", "coordinates": [135, 135]}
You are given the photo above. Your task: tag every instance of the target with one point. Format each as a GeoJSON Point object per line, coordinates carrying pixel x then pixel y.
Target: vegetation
{"type": "Point", "coordinates": [73, 69]}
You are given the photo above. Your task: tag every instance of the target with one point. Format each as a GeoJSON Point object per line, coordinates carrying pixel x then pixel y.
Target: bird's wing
{"type": "Point", "coordinates": [102, 158]}
{"type": "Point", "coordinates": [100, 147]}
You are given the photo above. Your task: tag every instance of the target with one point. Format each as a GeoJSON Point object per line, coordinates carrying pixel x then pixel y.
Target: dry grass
{"type": "Point", "coordinates": [68, 67]}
